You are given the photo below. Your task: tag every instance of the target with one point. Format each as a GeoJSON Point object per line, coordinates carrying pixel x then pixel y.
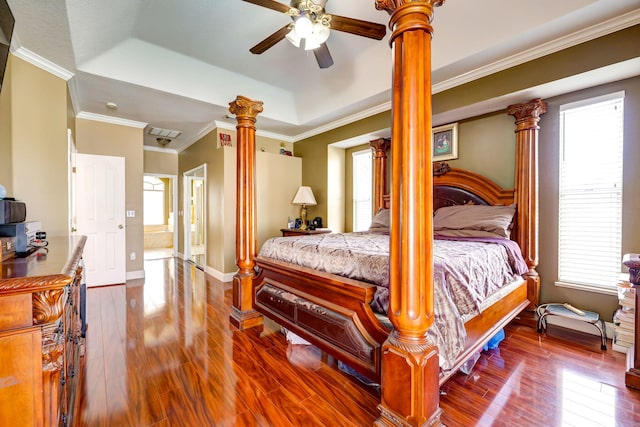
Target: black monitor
{"type": "Point", "coordinates": [7, 21]}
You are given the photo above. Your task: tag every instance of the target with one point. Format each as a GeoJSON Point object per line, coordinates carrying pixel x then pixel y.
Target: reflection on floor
{"type": "Point", "coordinates": [157, 253]}
{"type": "Point", "coordinates": [163, 353]}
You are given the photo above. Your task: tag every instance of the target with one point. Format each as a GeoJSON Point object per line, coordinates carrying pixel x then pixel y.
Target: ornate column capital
{"type": "Point", "coordinates": [380, 145]}
{"type": "Point", "coordinates": [528, 111]}
{"type": "Point", "coordinates": [391, 5]}
{"type": "Point", "coordinates": [245, 108]}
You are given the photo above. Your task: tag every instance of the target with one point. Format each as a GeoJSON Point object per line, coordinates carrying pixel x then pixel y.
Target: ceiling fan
{"type": "Point", "coordinates": [311, 25]}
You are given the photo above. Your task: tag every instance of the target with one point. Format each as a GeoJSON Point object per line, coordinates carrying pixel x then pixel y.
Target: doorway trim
{"type": "Point", "coordinates": [174, 205]}
{"type": "Point", "coordinates": [200, 173]}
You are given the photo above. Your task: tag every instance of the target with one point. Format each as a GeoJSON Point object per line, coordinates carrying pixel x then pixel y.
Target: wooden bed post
{"type": "Point", "coordinates": [243, 315]}
{"type": "Point", "coordinates": [527, 116]}
{"type": "Point", "coordinates": [380, 147]}
{"type": "Point", "coordinates": [410, 370]}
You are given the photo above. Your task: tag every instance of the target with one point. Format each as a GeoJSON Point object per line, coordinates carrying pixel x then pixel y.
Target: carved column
{"type": "Point", "coordinates": [527, 116]}
{"type": "Point", "coordinates": [380, 147]}
{"type": "Point", "coordinates": [410, 371]}
{"type": "Point", "coordinates": [243, 314]}
{"type": "Point", "coordinates": [47, 311]}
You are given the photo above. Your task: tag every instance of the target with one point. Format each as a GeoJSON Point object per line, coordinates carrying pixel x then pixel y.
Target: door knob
{"type": "Point", "coordinates": [120, 226]}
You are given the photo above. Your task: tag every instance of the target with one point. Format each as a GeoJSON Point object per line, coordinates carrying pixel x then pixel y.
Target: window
{"type": "Point", "coordinates": [362, 190]}
{"type": "Point", "coordinates": [153, 200]}
{"type": "Point", "coordinates": [590, 204]}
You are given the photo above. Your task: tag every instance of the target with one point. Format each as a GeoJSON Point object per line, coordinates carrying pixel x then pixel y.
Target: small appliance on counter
{"type": "Point", "coordinates": [24, 235]}
{"type": "Point", "coordinates": [12, 211]}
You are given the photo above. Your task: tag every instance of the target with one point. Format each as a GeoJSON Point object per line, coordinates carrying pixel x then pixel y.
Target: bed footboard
{"type": "Point", "coordinates": [329, 311]}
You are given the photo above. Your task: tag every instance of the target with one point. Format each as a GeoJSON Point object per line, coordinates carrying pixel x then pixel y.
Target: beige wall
{"type": "Point", "coordinates": [161, 163]}
{"type": "Point", "coordinates": [6, 125]}
{"type": "Point", "coordinates": [314, 154]}
{"type": "Point", "coordinates": [35, 140]}
{"type": "Point", "coordinates": [107, 139]}
{"type": "Point", "coordinates": [277, 179]}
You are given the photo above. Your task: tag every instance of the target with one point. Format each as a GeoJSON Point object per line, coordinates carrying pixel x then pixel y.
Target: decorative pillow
{"type": "Point", "coordinates": [474, 221]}
{"type": "Point", "coordinates": [381, 221]}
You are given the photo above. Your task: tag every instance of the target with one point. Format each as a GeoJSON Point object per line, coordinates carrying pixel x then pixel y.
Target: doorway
{"type": "Point", "coordinates": [160, 205]}
{"type": "Point", "coordinates": [99, 204]}
{"type": "Point", "coordinates": [195, 241]}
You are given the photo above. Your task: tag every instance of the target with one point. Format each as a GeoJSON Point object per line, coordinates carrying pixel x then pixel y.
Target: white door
{"type": "Point", "coordinates": [100, 215]}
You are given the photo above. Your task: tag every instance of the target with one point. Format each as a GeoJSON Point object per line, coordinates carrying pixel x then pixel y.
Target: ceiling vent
{"type": "Point", "coordinates": [164, 133]}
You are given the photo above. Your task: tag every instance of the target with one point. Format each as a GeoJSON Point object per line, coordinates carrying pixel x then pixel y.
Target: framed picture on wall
{"type": "Point", "coordinates": [445, 142]}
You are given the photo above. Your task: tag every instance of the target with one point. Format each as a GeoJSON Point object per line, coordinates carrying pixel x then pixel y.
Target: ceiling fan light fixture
{"type": "Point", "coordinates": [294, 37]}
{"type": "Point", "coordinates": [321, 32]}
{"type": "Point", "coordinates": [310, 43]}
{"type": "Point", "coordinates": [303, 26]}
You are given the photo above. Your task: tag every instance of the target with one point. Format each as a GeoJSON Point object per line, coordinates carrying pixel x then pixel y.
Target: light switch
{"type": "Point", "coordinates": [131, 214]}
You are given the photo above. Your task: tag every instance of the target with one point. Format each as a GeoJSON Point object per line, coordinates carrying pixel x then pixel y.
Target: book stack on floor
{"type": "Point", "coordinates": [624, 318]}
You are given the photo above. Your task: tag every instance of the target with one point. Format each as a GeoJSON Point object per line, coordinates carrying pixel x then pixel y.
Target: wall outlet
{"type": "Point", "coordinates": [131, 214]}
{"type": "Point", "coordinates": [132, 256]}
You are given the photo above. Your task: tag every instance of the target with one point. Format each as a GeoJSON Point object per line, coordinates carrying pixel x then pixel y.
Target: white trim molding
{"type": "Point", "coordinates": [109, 119]}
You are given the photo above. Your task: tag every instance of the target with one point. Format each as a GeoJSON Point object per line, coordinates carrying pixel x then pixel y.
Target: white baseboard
{"type": "Point", "coordinates": [580, 326]}
{"type": "Point", "coordinates": [136, 274]}
{"type": "Point", "coordinates": [223, 277]}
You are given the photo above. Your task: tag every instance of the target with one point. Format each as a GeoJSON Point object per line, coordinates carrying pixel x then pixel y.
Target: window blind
{"type": "Point", "coordinates": [590, 193]}
{"type": "Point", "coordinates": [362, 189]}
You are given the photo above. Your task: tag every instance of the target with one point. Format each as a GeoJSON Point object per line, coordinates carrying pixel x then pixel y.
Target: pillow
{"type": "Point", "coordinates": [474, 221]}
{"type": "Point", "coordinates": [381, 221]}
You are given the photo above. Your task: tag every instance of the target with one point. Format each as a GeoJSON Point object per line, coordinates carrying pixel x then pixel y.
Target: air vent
{"type": "Point", "coordinates": [164, 133]}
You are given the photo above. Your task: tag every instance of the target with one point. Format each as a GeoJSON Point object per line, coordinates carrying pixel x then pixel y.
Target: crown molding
{"type": "Point", "coordinates": [109, 119]}
{"type": "Point", "coordinates": [386, 106]}
{"type": "Point", "coordinates": [599, 30]}
{"type": "Point", "coordinates": [42, 63]}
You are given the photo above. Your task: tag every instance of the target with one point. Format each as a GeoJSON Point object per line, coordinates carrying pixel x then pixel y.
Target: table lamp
{"type": "Point", "coordinates": [304, 197]}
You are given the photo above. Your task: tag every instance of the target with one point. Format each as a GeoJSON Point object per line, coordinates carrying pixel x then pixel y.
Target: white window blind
{"type": "Point", "coordinates": [362, 190]}
{"type": "Point", "coordinates": [590, 205]}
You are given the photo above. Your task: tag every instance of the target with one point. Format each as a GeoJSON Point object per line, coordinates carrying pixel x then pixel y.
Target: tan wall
{"type": "Point", "coordinates": [156, 162]}
{"type": "Point", "coordinates": [39, 172]}
{"type": "Point", "coordinates": [314, 154]}
{"type": "Point", "coordinates": [277, 179]}
{"type": "Point", "coordinates": [107, 139]}
{"type": "Point", "coordinates": [6, 166]}
{"type": "Point", "coordinates": [486, 145]}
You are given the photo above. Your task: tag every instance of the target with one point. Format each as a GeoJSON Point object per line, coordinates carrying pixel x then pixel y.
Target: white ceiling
{"type": "Point", "coordinates": [177, 64]}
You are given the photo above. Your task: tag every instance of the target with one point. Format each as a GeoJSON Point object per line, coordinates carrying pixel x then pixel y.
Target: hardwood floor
{"type": "Point", "coordinates": [161, 352]}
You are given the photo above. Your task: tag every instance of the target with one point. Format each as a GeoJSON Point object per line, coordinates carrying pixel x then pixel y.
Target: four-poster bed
{"type": "Point", "coordinates": [334, 312]}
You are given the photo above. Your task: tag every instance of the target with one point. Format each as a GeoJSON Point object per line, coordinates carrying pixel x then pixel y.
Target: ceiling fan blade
{"type": "Point", "coordinates": [271, 40]}
{"type": "Point", "coordinates": [271, 4]}
{"type": "Point", "coordinates": [358, 27]}
{"type": "Point", "coordinates": [323, 56]}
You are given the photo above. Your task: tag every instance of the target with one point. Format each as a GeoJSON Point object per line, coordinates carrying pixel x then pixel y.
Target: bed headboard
{"type": "Point", "coordinates": [452, 186]}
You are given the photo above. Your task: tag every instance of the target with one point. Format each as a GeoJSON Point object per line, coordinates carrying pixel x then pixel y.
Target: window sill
{"type": "Point", "coordinates": [589, 288]}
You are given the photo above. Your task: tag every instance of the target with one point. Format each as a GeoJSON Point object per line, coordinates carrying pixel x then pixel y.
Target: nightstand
{"type": "Point", "coordinates": [287, 232]}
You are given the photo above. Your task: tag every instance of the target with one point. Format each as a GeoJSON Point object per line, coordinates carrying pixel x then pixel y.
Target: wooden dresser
{"type": "Point", "coordinates": [41, 335]}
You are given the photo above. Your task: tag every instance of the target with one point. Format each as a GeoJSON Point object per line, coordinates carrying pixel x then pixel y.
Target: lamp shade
{"type": "Point", "coordinates": [304, 196]}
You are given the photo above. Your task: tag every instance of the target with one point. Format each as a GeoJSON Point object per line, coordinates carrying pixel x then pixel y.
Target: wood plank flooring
{"type": "Point", "coordinates": [161, 352]}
